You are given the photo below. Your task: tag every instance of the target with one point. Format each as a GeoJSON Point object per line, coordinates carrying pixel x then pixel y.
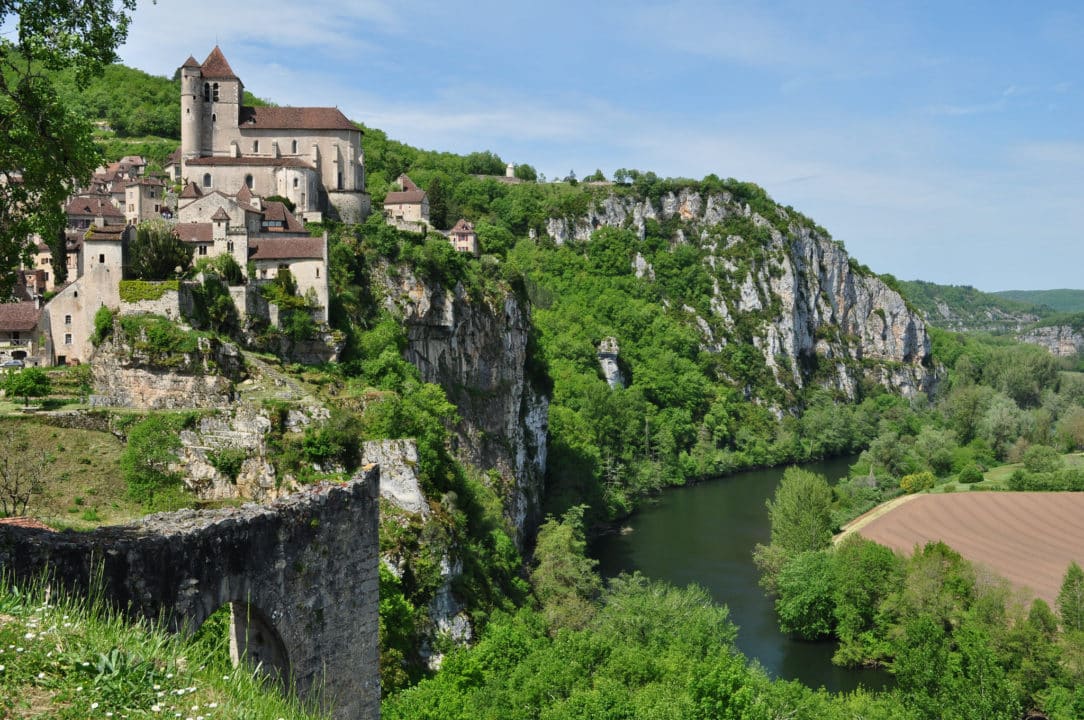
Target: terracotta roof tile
{"type": "Point", "coordinates": [220, 214]}
{"type": "Point", "coordinates": [216, 67]}
{"type": "Point", "coordinates": [94, 205]}
{"type": "Point", "coordinates": [19, 315]}
{"type": "Point", "coordinates": [191, 190]}
{"type": "Point", "coordinates": [195, 232]}
{"type": "Point", "coordinates": [286, 248]}
{"type": "Point", "coordinates": [276, 211]}
{"type": "Point", "coordinates": [190, 62]}
{"type": "Point", "coordinates": [407, 197]}
{"type": "Point", "coordinates": [295, 118]}
{"type": "Point", "coordinates": [244, 195]}
{"type": "Point", "coordinates": [253, 161]}
{"type": "Point", "coordinates": [406, 183]}
{"type": "Point", "coordinates": [463, 226]}
{"type": "Point", "coordinates": [26, 522]}
{"type": "Point", "coordinates": [174, 158]}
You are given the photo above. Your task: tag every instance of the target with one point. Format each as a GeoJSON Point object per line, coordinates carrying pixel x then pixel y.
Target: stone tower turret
{"type": "Point", "coordinates": [191, 109]}
{"type": "Point", "coordinates": [222, 97]}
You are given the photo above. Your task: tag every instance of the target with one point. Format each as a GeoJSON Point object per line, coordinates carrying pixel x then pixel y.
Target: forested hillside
{"type": "Point", "coordinates": [1068, 301]}
{"type": "Point", "coordinates": [962, 307]}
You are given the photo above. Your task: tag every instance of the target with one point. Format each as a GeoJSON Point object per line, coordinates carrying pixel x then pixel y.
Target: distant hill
{"type": "Point", "coordinates": [1067, 301]}
{"type": "Point", "coordinates": [962, 307]}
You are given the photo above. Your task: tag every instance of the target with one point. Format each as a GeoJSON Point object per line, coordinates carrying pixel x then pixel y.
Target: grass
{"type": "Point", "coordinates": [72, 659]}
{"type": "Point", "coordinates": [83, 487]}
{"type": "Point", "coordinates": [998, 478]}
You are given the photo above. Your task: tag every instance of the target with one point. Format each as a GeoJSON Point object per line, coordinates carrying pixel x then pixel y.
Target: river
{"type": "Point", "coordinates": [705, 534]}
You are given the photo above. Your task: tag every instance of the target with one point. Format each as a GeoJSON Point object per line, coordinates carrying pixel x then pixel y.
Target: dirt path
{"type": "Point", "coordinates": [867, 517]}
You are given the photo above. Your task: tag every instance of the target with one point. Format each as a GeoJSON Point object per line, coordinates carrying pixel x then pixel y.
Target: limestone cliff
{"type": "Point", "coordinates": [781, 284]}
{"type": "Point", "coordinates": [1060, 340]}
{"type": "Point", "coordinates": [477, 348]}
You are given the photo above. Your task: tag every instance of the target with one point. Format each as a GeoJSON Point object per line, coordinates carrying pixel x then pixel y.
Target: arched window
{"type": "Point", "coordinates": [294, 151]}
{"type": "Point", "coordinates": [214, 117]}
{"type": "Point", "coordinates": [206, 91]}
{"type": "Point", "coordinates": [295, 182]}
{"type": "Point", "coordinates": [206, 179]}
{"type": "Point", "coordinates": [214, 92]}
{"type": "Point", "coordinates": [248, 181]}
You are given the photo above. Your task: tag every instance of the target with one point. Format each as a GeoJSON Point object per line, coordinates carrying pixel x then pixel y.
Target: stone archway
{"type": "Point", "coordinates": [255, 641]}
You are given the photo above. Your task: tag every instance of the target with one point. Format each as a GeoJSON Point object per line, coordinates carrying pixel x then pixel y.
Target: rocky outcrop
{"type": "Point", "coordinates": [1059, 340]}
{"type": "Point", "coordinates": [608, 353]}
{"type": "Point", "coordinates": [477, 350]}
{"type": "Point", "coordinates": [809, 304]}
{"type": "Point", "coordinates": [124, 377]}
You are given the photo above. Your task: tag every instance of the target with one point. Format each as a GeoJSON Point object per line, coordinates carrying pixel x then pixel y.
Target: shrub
{"type": "Point", "coordinates": [228, 461]}
{"type": "Point", "coordinates": [970, 474]}
{"type": "Point", "coordinates": [133, 291]}
{"type": "Point", "coordinates": [146, 463]}
{"type": "Point", "coordinates": [103, 325]}
{"type": "Point", "coordinates": [917, 482]}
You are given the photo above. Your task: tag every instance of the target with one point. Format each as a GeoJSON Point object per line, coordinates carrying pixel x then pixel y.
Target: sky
{"type": "Point", "coordinates": [941, 141]}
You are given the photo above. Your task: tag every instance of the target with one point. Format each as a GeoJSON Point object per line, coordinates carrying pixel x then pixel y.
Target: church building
{"type": "Point", "coordinates": [310, 155]}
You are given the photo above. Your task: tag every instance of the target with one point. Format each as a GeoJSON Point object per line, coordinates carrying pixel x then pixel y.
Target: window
{"type": "Point", "coordinates": [255, 146]}
{"type": "Point", "coordinates": [45, 276]}
{"type": "Point", "coordinates": [131, 207]}
{"type": "Point", "coordinates": [340, 182]}
{"type": "Point", "coordinates": [295, 182]}
{"type": "Point", "coordinates": [293, 145]}
{"type": "Point", "coordinates": [214, 117]}
{"type": "Point", "coordinates": [214, 92]}
{"type": "Point", "coordinates": [206, 91]}
{"type": "Point", "coordinates": [67, 338]}
{"type": "Point", "coordinates": [67, 319]}
{"type": "Point", "coordinates": [229, 246]}
{"type": "Point", "coordinates": [317, 272]}
{"type": "Point", "coordinates": [202, 250]}
{"type": "Point", "coordinates": [248, 181]}
{"type": "Point", "coordinates": [101, 258]}
{"type": "Point", "coordinates": [206, 179]}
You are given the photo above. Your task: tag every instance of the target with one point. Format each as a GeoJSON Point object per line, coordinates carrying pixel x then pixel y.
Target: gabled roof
{"type": "Point", "coordinates": [286, 248]}
{"type": "Point", "coordinates": [462, 227]}
{"type": "Point", "coordinates": [244, 195]}
{"type": "Point", "coordinates": [94, 205]}
{"type": "Point", "coordinates": [195, 232]}
{"type": "Point", "coordinates": [174, 158]}
{"type": "Point", "coordinates": [216, 67]}
{"type": "Point", "coordinates": [408, 197]}
{"type": "Point", "coordinates": [220, 214]}
{"type": "Point", "coordinates": [406, 183]}
{"type": "Point", "coordinates": [275, 211]}
{"type": "Point", "coordinates": [109, 233]}
{"type": "Point", "coordinates": [19, 316]}
{"type": "Point", "coordinates": [295, 118]}
{"type": "Point", "coordinates": [191, 190]}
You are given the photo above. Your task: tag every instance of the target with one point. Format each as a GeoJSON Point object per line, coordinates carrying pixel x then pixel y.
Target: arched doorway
{"type": "Point", "coordinates": [255, 642]}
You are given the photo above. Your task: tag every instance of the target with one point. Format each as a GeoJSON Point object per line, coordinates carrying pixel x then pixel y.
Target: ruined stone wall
{"type": "Point", "coordinates": [303, 571]}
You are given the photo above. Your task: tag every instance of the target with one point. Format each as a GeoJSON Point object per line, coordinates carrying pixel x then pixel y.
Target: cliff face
{"type": "Point", "coordinates": [477, 350]}
{"type": "Point", "coordinates": [1060, 340]}
{"type": "Point", "coordinates": [816, 317]}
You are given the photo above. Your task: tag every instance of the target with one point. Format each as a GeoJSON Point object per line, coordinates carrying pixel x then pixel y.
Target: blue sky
{"type": "Point", "coordinates": [941, 141]}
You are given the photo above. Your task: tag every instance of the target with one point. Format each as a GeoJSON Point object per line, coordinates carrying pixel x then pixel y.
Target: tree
{"type": "Point", "coordinates": [157, 252]}
{"type": "Point", "coordinates": [526, 173]}
{"type": "Point", "coordinates": [46, 149]}
{"type": "Point", "coordinates": [438, 204]}
{"type": "Point", "coordinates": [28, 383]}
{"type": "Point", "coordinates": [21, 472]}
{"type": "Point", "coordinates": [805, 602]}
{"type": "Point", "coordinates": [565, 580]}
{"type": "Point", "coordinates": [799, 512]}
{"type": "Point", "coordinates": [1070, 601]}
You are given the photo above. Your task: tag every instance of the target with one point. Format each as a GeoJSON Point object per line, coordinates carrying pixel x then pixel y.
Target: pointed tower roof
{"type": "Point", "coordinates": [215, 66]}
{"type": "Point", "coordinates": [190, 62]}
{"type": "Point", "coordinates": [244, 195]}
{"type": "Point", "coordinates": [191, 190]}
{"type": "Point", "coordinates": [220, 214]}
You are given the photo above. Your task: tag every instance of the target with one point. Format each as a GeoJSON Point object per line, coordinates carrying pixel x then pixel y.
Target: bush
{"type": "Point", "coordinates": [228, 461]}
{"type": "Point", "coordinates": [133, 291]}
{"type": "Point", "coordinates": [146, 461]}
{"type": "Point", "coordinates": [917, 482]}
{"type": "Point", "coordinates": [970, 474]}
{"type": "Point", "coordinates": [103, 325]}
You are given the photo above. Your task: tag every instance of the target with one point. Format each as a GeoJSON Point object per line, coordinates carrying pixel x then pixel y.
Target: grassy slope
{"type": "Point", "coordinates": [68, 660]}
{"type": "Point", "coordinates": [969, 304]}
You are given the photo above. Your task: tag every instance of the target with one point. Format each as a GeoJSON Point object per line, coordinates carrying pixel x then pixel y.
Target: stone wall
{"type": "Point", "coordinates": [301, 573]}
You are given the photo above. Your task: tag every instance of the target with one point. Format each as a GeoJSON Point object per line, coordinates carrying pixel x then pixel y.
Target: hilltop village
{"type": "Point", "coordinates": [245, 183]}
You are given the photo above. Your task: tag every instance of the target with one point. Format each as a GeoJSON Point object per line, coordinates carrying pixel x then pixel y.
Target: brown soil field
{"type": "Point", "coordinates": [1029, 538]}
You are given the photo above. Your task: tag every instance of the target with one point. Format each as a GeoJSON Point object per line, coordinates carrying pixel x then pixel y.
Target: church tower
{"type": "Point", "coordinates": [191, 109]}
{"type": "Point", "coordinates": [223, 95]}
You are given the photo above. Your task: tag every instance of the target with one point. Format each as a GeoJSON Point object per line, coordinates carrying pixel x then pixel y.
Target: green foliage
{"type": "Point", "coordinates": [228, 461]}
{"type": "Point", "coordinates": [1070, 600]}
{"type": "Point", "coordinates": [160, 338]}
{"type": "Point", "coordinates": [917, 482]}
{"type": "Point", "coordinates": [1042, 459]}
{"type": "Point", "coordinates": [133, 291]}
{"type": "Point", "coordinates": [805, 599]}
{"type": "Point", "coordinates": [158, 253]}
{"type": "Point", "coordinates": [43, 139]}
{"type": "Point", "coordinates": [564, 578]}
{"type": "Point", "coordinates": [27, 383]}
{"type": "Point", "coordinates": [969, 308]}
{"type": "Point", "coordinates": [1068, 301]}
{"type": "Point", "coordinates": [147, 460]}
{"type": "Point", "coordinates": [799, 512]}
{"type": "Point", "coordinates": [970, 474]}
{"type": "Point", "coordinates": [224, 266]}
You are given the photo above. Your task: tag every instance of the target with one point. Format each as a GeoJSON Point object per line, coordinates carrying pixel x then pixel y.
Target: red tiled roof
{"type": "Point", "coordinates": [190, 62]}
{"type": "Point", "coordinates": [295, 118]}
{"type": "Point", "coordinates": [253, 161]}
{"type": "Point", "coordinates": [276, 211]}
{"type": "Point", "coordinates": [195, 232]}
{"type": "Point", "coordinates": [146, 180]}
{"type": "Point", "coordinates": [26, 522]}
{"type": "Point", "coordinates": [174, 158]}
{"type": "Point", "coordinates": [19, 315]}
{"type": "Point", "coordinates": [407, 197]}
{"type": "Point", "coordinates": [216, 67]}
{"type": "Point", "coordinates": [406, 183]}
{"type": "Point", "coordinates": [244, 195]}
{"type": "Point", "coordinates": [191, 190]}
{"type": "Point", "coordinates": [94, 205]}
{"type": "Point", "coordinates": [286, 248]}
{"type": "Point", "coordinates": [220, 214]}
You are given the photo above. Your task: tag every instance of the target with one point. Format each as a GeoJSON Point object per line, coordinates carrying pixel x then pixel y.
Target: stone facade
{"type": "Point", "coordinates": [300, 577]}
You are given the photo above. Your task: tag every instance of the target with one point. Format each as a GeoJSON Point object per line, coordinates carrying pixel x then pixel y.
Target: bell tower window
{"type": "Point", "coordinates": [248, 181]}
{"type": "Point", "coordinates": [206, 91]}
{"type": "Point", "coordinates": [214, 92]}
{"type": "Point", "coordinates": [207, 180]}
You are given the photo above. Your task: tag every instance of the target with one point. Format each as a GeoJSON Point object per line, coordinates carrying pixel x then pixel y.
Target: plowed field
{"type": "Point", "coordinates": [1027, 538]}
